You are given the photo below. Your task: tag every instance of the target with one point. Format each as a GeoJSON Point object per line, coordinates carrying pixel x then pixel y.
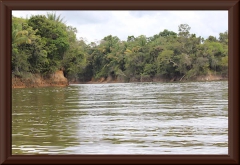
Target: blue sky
{"type": "Point", "coordinates": [93, 26]}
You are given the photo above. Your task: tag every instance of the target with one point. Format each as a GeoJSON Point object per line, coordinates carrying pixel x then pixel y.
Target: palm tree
{"type": "Point", "coordinates": [19, 36]}
{"type": "Point", "coordinates": [52, 16]}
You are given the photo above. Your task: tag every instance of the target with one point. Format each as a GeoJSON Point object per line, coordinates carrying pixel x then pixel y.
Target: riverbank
{"type": "Point", "coordinates": [209, 77]}
{"type": "Point", "coordinates": [36, 80]}
{"type": "Point", "coordinates": [58, 79]}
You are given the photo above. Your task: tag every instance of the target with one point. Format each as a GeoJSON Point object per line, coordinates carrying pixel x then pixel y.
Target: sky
{"type": "Point", "coordinates": [94, 25]}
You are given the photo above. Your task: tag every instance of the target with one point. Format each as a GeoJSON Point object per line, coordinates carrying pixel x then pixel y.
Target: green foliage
{"type": "Point", "coordinates": [223, 37]}
{"type": "Point", "coordinates": [54, 34]}
{"type": "Point", "coordinates": [166, 63]}
{"type": "Point", "coordinates": [184, 30]}
{"type": "Point", "coordinates": [167, 33]}
{"type": "Point", "coordinates": [44, 44]}
{"type": "Point", "coordinates": [56, 18]}
{"type": "Point", "coordinates": [150, 69]}
{"type": "Point", "coordinates": [19, 57]}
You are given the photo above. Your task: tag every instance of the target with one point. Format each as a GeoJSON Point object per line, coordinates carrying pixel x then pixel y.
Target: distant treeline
{"type": "Point", "coordinates": [44, 44]}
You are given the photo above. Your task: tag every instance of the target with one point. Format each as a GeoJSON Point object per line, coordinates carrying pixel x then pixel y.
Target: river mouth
{"type": "Point", "coordinates": [121, 118]}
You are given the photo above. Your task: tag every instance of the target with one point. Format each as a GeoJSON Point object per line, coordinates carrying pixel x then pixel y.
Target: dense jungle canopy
{"type": "Point", "coordinates": [44, 44]}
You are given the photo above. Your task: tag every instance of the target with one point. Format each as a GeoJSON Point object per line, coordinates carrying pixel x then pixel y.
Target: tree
{"type": "Point", "coordinates": [44, 44]}
{"type": "Point", "coordinates": [150, 69]}
{"type": "Point", "coordinates": [55, 37]}
{"type": "Point", "coordinates": [74, 61]}
{"type": "Point", "coordinates": [212, 39]}
{"type": "Point", "coordinates": [223, 37]}
{"type": "Point", "coordinates": [130, 38]}
{"type": "Point", "coordinates": [184, 30]}
{"type": "Point", "coordinates": [56, 18]}
{"type": "Point", "coordinates": [166, 63]}
{"type": "Point", "coordinates": [167, 33]}
{"type": "Point", "coordinates": [19, 37]}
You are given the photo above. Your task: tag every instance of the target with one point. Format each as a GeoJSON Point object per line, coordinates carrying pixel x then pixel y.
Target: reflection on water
{"type": "Point", "coordinates": [128, 118]}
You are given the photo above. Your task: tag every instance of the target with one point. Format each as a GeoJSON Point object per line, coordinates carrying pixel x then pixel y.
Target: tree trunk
{"type": "Point", "coordinates": [182, 77]}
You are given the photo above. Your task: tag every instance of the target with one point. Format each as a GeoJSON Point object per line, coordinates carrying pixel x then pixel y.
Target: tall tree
{"type": "Point", "coordinates": [55, 37]}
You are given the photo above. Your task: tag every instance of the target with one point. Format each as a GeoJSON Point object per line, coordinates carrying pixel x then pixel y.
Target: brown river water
{"type": "Point", "coordinates": [121, 118]}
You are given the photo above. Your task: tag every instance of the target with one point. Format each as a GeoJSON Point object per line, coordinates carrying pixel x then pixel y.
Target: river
{"type": "Point", "coordinates": [121, 118]}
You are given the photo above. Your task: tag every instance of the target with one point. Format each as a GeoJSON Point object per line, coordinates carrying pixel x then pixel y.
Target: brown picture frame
{"type": "Point", "coordinates": [6, 6]}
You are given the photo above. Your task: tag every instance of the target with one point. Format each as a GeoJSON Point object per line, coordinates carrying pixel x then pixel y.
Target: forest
{"type": "Point", "coordinates": [44, 44]}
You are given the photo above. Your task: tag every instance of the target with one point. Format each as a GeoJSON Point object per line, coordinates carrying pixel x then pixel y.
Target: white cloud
{"type": "Point", "coordinates": [95, 25]}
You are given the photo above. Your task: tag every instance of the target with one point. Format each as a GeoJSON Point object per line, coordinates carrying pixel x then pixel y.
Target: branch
{"type": "Point", "coordinates": [174, 64]}
{"type": "Point", "coordinates": [182, 77]}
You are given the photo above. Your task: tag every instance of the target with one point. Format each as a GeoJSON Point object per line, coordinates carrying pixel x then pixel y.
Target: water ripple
{"type": "Point", "coordinates": [124, 118]}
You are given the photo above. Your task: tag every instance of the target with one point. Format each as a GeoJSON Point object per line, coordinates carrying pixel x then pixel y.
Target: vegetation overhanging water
{"type": "Point", "coordinates": [45, 44]}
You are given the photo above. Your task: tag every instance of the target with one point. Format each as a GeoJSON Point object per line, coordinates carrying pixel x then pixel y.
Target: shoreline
{"type": "Point", "coordinates": [58, 80]}
{"type": "Point", "coordinates": [36, 80]}
{"type": "Point", "coordinates": [207, 78]}
{"type": "Point", "coordinates": [91, 82]}
{"type": "Point", "coordinates": [105, 82]}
